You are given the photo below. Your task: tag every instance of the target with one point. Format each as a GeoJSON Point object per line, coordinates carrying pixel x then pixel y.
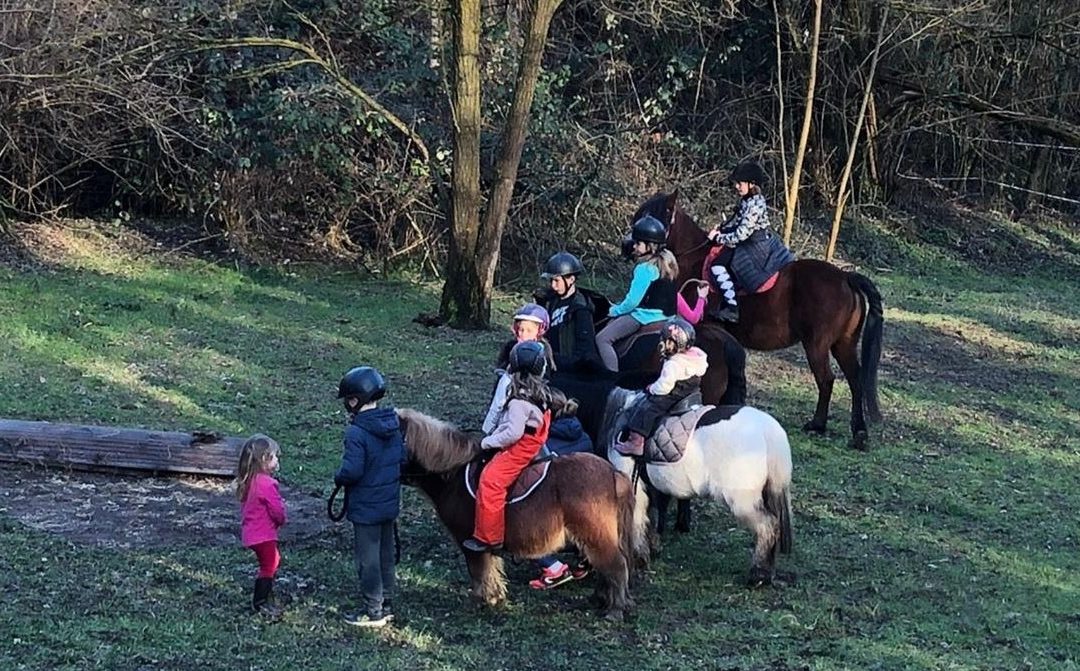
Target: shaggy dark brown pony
{"type": "Point", "coordinates": [813, 303]}
{"type": "Point", "coordinates": [583, 501]}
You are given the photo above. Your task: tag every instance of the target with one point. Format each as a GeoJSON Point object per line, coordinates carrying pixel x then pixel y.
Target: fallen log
{"type": "Point", "coordinates": [112, 448]}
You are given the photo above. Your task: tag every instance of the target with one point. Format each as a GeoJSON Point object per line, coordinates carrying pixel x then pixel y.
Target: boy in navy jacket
{"type": "Point", "coordinates": [371, 475]}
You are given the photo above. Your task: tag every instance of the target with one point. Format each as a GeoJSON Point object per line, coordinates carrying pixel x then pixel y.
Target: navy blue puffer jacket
{"type": "Point", "coordinates": [371, 466]}
{"type": "Point", "coordinates": [566, 437]}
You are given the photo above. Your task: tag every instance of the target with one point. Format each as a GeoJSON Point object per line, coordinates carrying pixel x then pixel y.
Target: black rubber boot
{"type": "Point", "coordinates": [262, 600]}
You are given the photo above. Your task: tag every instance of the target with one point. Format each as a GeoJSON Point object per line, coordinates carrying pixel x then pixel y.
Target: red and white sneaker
{"type": "Point", "coordinates": [552, 578]}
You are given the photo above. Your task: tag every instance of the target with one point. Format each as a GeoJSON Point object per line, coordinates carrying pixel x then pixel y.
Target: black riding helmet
{"type": "Point", "coordinates": [562, 264]}
{"type": "Point", "coordinates": [649, 229]}
{"type": "Point", "coordinates": [748, 172]}
{"type": "Point", "coordinates": [528, 357]}
{"type": "Point", "coordinates": [363, 383]}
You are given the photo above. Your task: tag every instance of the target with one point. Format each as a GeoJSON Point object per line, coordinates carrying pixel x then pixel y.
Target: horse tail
{"type": "Point", "coordinates": [779, 503]}
{"type": "Point", "coordinates": [777, 491]}
{"type": "Point", "coordinates": [872, 327]}
{"type": "Point", "coordinates": [633, 520]}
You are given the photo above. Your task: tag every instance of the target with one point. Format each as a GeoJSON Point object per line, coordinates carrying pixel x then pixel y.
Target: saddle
{"type": "Point", "coordinates": [623, 347]}
{"type": "Point", "coordinates": [526, 483]}
{"type": "Point", "coordinates": [668, 441]}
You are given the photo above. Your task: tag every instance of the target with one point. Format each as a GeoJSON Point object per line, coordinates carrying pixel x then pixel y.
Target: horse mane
{"type": "Point", "coordinates": [436, 445]}
{"type": "Point", "coordinates": [665, 207]}
{"type": "Point", "coordinates": [616, 403]}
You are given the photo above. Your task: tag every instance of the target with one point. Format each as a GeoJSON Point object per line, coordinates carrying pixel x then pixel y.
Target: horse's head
{"type": "Point", "coordinates": [433, 446]}
{"type": "Point", "coordinates": [686, 241]}
{"type": "Point", "coordinates": [661, 206]}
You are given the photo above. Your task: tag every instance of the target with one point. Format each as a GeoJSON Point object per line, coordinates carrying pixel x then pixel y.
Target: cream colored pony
{"type": "Point", "coordinates": [740, 456]}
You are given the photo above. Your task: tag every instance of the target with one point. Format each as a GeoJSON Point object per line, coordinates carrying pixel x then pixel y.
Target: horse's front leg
{"type": "Point", "coordinates": [487, 580]}
{"type": "Point", "coordinates": [817, 355]}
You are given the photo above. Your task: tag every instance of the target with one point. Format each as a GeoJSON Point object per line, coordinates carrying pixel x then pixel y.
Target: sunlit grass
{"type": "Point", "coordinates": [952, 544]}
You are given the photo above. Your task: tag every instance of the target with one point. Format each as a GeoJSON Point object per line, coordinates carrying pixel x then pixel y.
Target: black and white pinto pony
{"type": "Point", "coordinates": [738, 455]}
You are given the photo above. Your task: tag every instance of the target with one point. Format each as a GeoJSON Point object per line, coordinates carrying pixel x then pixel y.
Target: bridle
{"type": "Point", "coordinates": [706, 243]}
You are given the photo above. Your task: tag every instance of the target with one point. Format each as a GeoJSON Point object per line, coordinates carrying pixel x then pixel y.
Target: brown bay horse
{"type": "Point", "coordinates": [583, 501]}
{"type": "Point", "coordinates": [812, 302]}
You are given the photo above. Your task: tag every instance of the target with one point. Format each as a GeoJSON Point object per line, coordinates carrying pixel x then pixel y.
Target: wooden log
{"type": "Point", "coordinates": [101, 447]}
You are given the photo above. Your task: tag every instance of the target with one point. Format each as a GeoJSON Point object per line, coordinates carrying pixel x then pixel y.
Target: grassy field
{"type": "Point", "coordinates": [952, 544]}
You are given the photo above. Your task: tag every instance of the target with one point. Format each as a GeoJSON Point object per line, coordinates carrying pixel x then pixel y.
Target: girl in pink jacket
{"type": "Point", "coordinates": [262, 513]}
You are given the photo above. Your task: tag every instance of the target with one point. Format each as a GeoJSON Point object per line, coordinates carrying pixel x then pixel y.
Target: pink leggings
{"type": "Point", "coordinates": [269, 558]}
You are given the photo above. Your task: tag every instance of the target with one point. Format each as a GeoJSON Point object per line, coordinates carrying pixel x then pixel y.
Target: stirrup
{"type": "Point", "coordinates": [475, 545]}
{"type": "Point", "coordinates": [581, 570]}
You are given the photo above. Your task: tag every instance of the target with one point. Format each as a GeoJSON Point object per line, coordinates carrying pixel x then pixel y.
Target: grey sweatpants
{"type": "Point", "coordinates": [373, 550]}
{"type": "Point", "coordinates": [617, 329]}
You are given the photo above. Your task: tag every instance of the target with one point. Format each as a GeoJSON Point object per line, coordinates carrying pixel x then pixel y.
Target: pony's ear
{"type": "Point", "coordinates": [669, 206]}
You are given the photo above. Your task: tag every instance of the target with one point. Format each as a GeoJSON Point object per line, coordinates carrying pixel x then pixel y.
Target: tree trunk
{"type": "Point", "coordinates": [800, 154]}
{"type": "Point", "coordinates": [842, 192]}
{"type": "Point", "coordinates": [475, 246]}
{"type": "Point", "coordinates": [513, 139]}
{"type": "Point", "coordinates": [464, 301]}
{"type": "Point", "coordinates": [113, 448]}
{"type": "Point", "coordinates": [781, 121]}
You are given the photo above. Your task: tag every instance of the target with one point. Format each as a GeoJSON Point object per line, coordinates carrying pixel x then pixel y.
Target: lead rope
{"type": "Point", "coordinates": [330, 505]}
{"type": "Point", "coordinates": [337, 517]}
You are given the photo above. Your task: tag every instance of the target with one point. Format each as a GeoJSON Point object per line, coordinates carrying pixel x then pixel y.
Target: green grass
{"type": "Point", "coordinates": [953, 544]}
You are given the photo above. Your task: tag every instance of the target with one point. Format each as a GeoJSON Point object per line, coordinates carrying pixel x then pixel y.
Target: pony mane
{"type": "Point", "coordinates": [609, 423]}
{"type": "Point", "coordinates": [658, 206]}
{"type": "Point", "coordinates": [436, 445]}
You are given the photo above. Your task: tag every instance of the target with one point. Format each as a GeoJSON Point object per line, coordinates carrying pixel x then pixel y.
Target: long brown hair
{"type": "Point", "coordinates": [255, 455]}
{"type": "Point", "coordinates": [534, 389]}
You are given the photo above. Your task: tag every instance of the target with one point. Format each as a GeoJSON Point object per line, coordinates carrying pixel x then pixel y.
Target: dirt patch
{"type": "Point", "coordinates": [126, 512]}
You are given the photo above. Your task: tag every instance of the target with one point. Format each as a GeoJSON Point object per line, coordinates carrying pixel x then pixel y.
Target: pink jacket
{"type": "Point", "coordinates": [262, 513]}
{"type": "Point", "coordinates": [691, 315]}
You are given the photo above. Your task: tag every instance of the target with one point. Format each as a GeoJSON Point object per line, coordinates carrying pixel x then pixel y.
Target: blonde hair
{"type": "Point", "coordinates": [255, 455]}
{"type": "Point", "coordinates": [664, 261]}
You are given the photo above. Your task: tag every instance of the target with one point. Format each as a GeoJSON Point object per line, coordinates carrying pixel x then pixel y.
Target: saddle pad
{"type": "Point", "coordinates": [525, 484]}
{"type": "Point", "coordinates": [623, 347]}
{"type": "Point", "coordinates": [757, 260]}
{"type": "Point", "coordinates": [668, 442]}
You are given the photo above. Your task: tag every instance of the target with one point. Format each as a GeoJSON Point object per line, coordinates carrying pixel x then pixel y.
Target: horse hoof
{"type": "Point", "coordinates": [811, 427]}
{"type": "Point", "coordinates": [859, 441]}
{"type": "Point", "coordinates": [615, 615]}
{"type": "Point", "coordinates": [759, 578]}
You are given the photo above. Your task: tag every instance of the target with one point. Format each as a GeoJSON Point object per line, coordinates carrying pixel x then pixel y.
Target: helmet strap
{"type": "Point", "coordinates": [571, 284]}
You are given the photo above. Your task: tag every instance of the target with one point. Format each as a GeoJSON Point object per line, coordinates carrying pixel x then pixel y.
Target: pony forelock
{"type": "Point", "coordinates": [437, 446]}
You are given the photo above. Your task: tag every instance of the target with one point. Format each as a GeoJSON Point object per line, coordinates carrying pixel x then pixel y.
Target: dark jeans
{"type": "Point", "coordinates": [373, 550]}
